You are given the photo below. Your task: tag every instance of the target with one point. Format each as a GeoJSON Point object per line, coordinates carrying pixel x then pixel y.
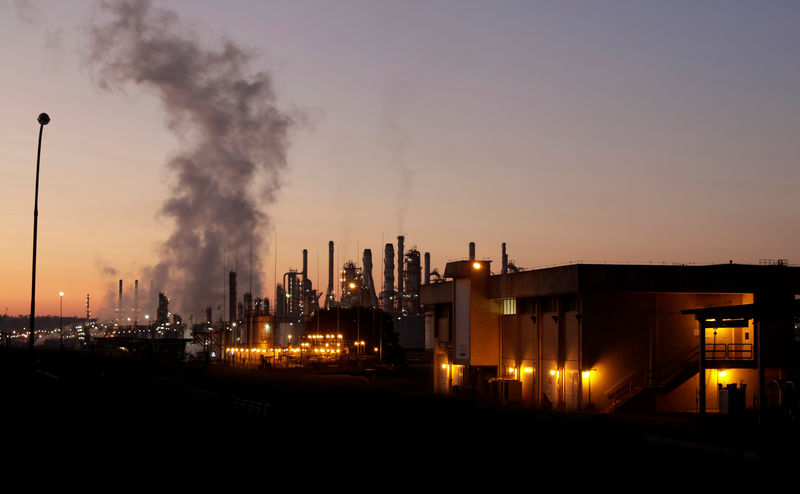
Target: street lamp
{"type": "Point", "coordinates": [61, 318]}
{"type": "Point", "coordinates": [43, 120]}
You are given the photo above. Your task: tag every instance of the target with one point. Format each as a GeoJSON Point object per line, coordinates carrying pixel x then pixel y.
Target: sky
{"type": "Point", "coordinates": [616, 131]}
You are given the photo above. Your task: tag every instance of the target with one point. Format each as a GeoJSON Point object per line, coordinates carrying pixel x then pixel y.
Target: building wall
{"type": "Point", "coordinates": [484, 317]}
{"type": "Point", "coordinates": [619, 327]}
{"type": "Point", "coordinates": [685, 397]}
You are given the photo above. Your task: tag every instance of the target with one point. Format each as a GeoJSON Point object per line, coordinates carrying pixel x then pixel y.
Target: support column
{"type": "Point", "coordinates": [762, 393]}
{"type": "Point", "coordinates": [702, 373]}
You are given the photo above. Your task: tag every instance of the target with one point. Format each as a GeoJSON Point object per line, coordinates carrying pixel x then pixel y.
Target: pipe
{"type": "Point", "coordinates": [472, 251]}
{"type": "Point", "coordinates": [119, 303]}
{"type": "Point", "coordinates": [504, 268]}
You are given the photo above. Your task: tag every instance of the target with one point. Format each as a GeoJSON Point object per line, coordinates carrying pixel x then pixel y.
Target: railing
{"type": "Point", "coordinates": [682, 366]}
{"type": "Point", "coordinates": [677, 365]}
{"type": "Point", "coordinates": [715, 351]}
{"type": "Point", "coordinates": [729, 351]}
{"type": "Point", "coordinates": [627, 387]}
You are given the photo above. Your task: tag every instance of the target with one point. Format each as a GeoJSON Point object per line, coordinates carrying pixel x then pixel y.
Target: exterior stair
{"type": "Point", "coordinates": [640, 386]}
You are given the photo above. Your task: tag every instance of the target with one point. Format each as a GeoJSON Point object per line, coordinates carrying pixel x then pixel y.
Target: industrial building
{"type": "Point", "coordinates": [606, 337]}
{"type": "Point", "coordinates": [362, 320]}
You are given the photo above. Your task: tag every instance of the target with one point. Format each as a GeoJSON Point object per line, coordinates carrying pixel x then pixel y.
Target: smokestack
{"type": "Point", "coordinates": [388, 277]}
{"type": "Point", "coordinates": [135, 302]}
{"type": "Point", "coordinates": [367, 272]}
{"type": "Point", "coordinates": [119, 303]}
{"type": "Point", "coordinates": [472, 251]}
{"type": "Point", "coordinates": [427, 268]}
{"type": "Point", "coordinates": [232, 296]}
{"type": "Point", "coordinates": [88, 312]}
{"type": "Point", "coordinates": [400, 263]}
{"type": "Point", "coordinates": [305, 266]}
{"type": "Point", "coordinates": [329, 292]}
{"type": "Point", "coordinates": [504, 268]}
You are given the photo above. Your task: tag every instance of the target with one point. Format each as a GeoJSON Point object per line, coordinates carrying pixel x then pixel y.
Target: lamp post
{"type": "Point", "coordinates": [61, 318]}
{"type": "Point", "coordinates": [43, 120]}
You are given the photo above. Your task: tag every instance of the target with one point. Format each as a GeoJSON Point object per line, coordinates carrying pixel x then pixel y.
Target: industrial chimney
{"type": "Point", "coordinates": [305, 266]}
{"type": "Point", "coordinates": [472, 251]}
{"type": "Point", "coordinates": [367, 273]}
{"type": "Point", "coordinates": [119, 303]}
{"type": "Point", "coordinates": [232, 296]}
{"type": "Point", "coordinates": [400, 264]}
{"type": "Point", "coordinates": [135, 302]}
{"type": "Point", "coordinates": [388, 277]}
{"type": "Point", "coordinates": [504, 268]}
{"type": "Point", "coordinates": [427, 268]}
{"type": "Point", "coordinates": [329, 294]}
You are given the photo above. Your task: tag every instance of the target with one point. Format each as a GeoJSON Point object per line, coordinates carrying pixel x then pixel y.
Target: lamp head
{"type": "Point", "coordinates": [44, 118]}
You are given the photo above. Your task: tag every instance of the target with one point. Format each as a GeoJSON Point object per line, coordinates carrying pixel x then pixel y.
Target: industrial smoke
{"type": "Point", "coordinates": [231, 135]}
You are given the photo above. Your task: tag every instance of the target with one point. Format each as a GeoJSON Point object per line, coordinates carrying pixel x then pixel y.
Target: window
{"type": "Point", "coordinates": [508, 306]}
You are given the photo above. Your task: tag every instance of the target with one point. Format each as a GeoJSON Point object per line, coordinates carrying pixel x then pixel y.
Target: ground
{"type": "Point", "coordinates": [95, 395]}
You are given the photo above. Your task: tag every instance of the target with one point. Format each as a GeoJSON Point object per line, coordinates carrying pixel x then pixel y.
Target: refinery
{"type": "Point", "coordinates": [299, 326]}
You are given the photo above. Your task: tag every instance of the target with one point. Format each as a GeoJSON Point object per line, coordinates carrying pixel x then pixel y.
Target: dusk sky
{"type": "Point", "coordinates": [614, 131]}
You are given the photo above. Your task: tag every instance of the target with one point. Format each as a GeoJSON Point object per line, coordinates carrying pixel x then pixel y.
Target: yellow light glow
{"type": "Point", "coordinates": [723, 373]}
{"type": "Point", "coordinates": [476, 265]}
{"type": "Point", "coordinates": [444, 366]}
{"type": "Point", "coordinates": [552, 373]}
{"type": "Point", "coordinates": [352, 285]}
{"type": "Point", "coordinates": [586, 374]}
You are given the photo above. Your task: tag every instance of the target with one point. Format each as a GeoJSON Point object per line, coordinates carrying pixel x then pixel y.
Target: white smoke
{"type": "Point", "coordinates": [231, 132]}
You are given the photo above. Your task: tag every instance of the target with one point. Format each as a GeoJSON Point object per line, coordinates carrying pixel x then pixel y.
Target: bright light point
{"type": "Point", "coordinates": [552, 373]}
{"type": "Point", "coordinates": [476, 265]}
{"type": "Point", "coordinates": [352, 285]}
{"type": "Point", "coordinates": [723, 373]}
{"type": "Point", "coordinates": [586, 374]}
{"type": "Point", "coordinates": [61, 294]}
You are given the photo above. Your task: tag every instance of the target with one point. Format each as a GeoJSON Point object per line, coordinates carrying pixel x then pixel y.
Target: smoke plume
{"type": "Point", "coordinates": [231, 136]}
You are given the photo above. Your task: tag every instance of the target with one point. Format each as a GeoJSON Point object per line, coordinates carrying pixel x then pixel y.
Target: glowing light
{"type": "Point", "coordinates": [586, 374]}
{"type": "Point", "coordinates": [527, 370]}
{"type": "Point", "coordinates": [352, 285]}
{"type": "Point", "coordinates": [61, 293]}
{"type": "Point", "coordinates": [476, 265]}
{"type": "Point", "coordinates": [552, 373]}
{"type": "Point", "coordinates": [723, 373]}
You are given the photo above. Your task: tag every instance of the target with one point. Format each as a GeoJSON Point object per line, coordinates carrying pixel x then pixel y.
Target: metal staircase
{"type": "Point", "coordinates": [666, 378]}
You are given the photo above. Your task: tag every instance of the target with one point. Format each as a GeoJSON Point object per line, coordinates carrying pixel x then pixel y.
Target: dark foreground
{"type": "Point", "coordinates": [93, 396]}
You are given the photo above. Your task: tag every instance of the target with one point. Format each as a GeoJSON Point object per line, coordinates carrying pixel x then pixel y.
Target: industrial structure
{"type": "Point", "coordinates": [596, 336]}
{"type": "Point", "coordinates": [360, 303]}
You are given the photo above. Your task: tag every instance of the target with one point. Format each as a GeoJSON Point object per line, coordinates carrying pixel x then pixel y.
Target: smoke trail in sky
{"type": "Point", "coordinates": [231, 136]}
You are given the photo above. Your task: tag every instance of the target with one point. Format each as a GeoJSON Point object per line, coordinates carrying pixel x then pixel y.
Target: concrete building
{"type": "Point", "coordinates": [612, 336]}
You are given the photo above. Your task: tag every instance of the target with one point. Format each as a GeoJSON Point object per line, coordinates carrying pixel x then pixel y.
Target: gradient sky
{"type": "Point", "coordinates": [617, 131]}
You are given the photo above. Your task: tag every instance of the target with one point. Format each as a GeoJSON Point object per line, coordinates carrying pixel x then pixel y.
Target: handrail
{"type": "Point", "coordinates": [684, 362]}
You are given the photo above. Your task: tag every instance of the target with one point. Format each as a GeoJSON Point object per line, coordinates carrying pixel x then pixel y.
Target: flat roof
{"type": "Point", "coordinates": [573, 278]}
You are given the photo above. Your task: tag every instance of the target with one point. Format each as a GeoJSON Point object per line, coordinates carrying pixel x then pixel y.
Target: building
{"type": "Point", "coordinates": [612, 336]}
